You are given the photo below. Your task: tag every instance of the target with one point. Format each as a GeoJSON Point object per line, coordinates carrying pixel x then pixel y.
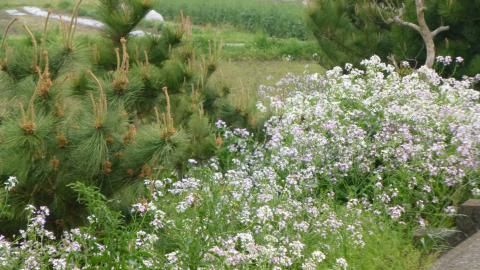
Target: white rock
{"type": "Point", "coordinates": [238, 44]}
{"type": "Point", "coordinates": [138, 33]}
{"type": "Point", "coordinates": [90, 22]}
{"type": "Point", "coordinates": [152, 15]}
{"type": "Point", "coordinates": [36, 11]}
{"type": "Point", "coordinates": [14, 12]}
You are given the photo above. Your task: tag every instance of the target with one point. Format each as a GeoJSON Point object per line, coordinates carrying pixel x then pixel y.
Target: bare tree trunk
{"type": "Point", "coordinates": [425, 33]}
{"type": "Point", "coordinates": [423, 29]}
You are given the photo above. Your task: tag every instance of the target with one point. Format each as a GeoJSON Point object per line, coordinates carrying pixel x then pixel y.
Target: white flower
{"type": "Point", "coordinates": [147, 263]}
{"type": "Point", "coordinates": [172, 257]}
{"type": "Point", "coordinates": [264, 214]}
{"type": "Point", "coordinates": [220, 124]}
{"type": "Point", "coordinates": [342, 263]}
{"type": "Point", "coordinates": [12, 181]}
{"type": "Point", "coordinates": [59, 264]}
{"type": "Point", "coordinates": [73, 247]}
{"type": "Point", "coordinates": [92, 219]}
{"type": "Point", "coordinates": [396, 211]}
{"type": "Point", "coordinates": [139, 207]}
{"type": "Point", "coordinates": [261, 107]}
{"type": "Point", "coordinates": [450, 210]}
{"type": "Point", "coordinates": [297, 248]}
{"type": "Point", "coordinates": [447, 61]}
{"type": "Point", "coordinates": [422, 223]}
{"type": "Point", "coordinates": [318, 256]}
{"type": "Point", "coordinates": [185, 204]}
{"type": "Point", "coordinates": [444, 60]}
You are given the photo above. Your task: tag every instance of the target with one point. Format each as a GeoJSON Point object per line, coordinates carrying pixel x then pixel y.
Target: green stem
{"type": "Point", "coordinates": [4, 206]}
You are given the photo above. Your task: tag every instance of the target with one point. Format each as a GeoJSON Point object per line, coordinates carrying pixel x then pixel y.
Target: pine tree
{"type": "Point", "coordinates": [82, 111]}
{"type": "Point", "coordinates": [349, 31]}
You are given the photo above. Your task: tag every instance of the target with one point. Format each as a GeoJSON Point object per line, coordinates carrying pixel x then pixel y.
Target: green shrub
{"type": "Point", "coordinates": [82, 110]}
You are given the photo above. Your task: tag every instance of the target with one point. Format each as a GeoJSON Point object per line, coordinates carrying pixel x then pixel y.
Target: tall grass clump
{"type": "Point", "coordinates": [277, 19]}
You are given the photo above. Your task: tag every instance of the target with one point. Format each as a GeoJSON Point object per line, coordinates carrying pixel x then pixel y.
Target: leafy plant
{"type": "Point", "coordinates": [82, 110]}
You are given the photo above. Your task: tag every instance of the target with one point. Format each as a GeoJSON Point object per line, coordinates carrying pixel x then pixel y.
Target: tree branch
{"type": "Point", "coordinates": [397, 19]}
{"type": "Point", "coordinates": [440, 29]}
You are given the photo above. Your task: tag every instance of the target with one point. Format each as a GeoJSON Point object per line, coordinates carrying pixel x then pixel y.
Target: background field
{"type": "Point", "coordinates": [267, 46]}
{"type": "Point", "coordinates": [275, 18]}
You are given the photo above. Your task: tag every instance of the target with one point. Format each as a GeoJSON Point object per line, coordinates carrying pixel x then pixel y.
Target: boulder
{"type": "Point", "coordinates": [468, 218]}
{"type": "Point", "coordinates": [447, 238]}
{"type": "Point", "coordinates": [152, 15]}
{"type": "Point", "coordinates": [463, 257]}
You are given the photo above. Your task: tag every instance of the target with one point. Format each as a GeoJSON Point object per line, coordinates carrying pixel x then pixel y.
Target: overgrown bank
{"type": "Point", "coordinates": [353, 161]}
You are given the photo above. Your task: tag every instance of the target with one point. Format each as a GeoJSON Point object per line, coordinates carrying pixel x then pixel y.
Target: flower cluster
{"type": "Point", "coordinates": [447, 60]}
{"type": "Point", "coordinates": [403, 141]}
{"type": "Point", "coordinates": [11, 182]}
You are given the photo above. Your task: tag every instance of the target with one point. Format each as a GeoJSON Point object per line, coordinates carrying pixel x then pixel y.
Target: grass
{"type": "Point", "coordinates": [238, 44]}
{"type": "Point", "coordinates": [66, 5]}
{"type": "Point", "coordinates": [241, 45]}
{"type": "Point", "coordinates": [36, 23]}
{"type": "Point", "coordinates": [249, 74]}
{"type": "Point", "coordinates": [275, 18]}
{"type": "Point", "coordinates": [244, 77]}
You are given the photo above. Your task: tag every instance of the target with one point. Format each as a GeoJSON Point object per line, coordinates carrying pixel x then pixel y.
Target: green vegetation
{"type": "Point", "coordinates": [155, 152]}
{"type": "Point", "coordinates": [248, 46]}
{"type": "Point", "coordinates": [244, 77]}
{"type": "Point", "coordinates": [79, 110]}
{"type": "Point", "coordinates": [347, 30]}
{"type": "Point", "coordinates": [276, 19]}
{"type": "Point", "coordinates": [65, 5]}
{"type": "Point", "coordinates": [238, 43]}
{"type": "Point", "coordinates": [351, 30]}
{"type": "Point", "coordinates": [281, 20]}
